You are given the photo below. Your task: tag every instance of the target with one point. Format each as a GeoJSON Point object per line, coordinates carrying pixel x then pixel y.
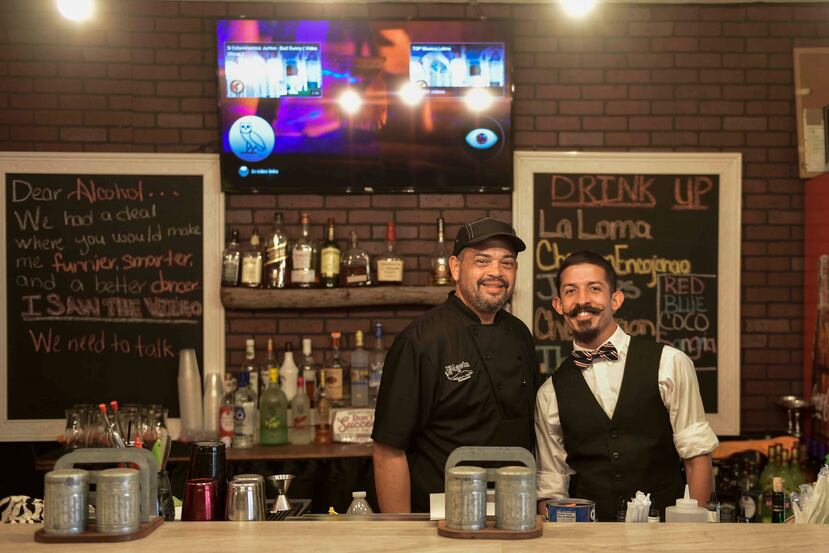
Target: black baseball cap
{"type": "Point", "coordinates": [484, 229]}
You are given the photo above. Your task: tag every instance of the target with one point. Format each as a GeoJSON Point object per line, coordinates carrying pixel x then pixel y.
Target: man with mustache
{"type": "Point", "coordinates": [463, 374]}
{"type": "Point", "coordinates": [618, 415]}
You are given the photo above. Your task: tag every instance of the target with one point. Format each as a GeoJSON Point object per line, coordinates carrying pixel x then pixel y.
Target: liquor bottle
{"type": "Point", "coordinates": [231, 261]}
{"type": "Point", "coordinates": [288, 373]}
{"type": "Point", "coordinates": [226, 411]}
{"type": "Point", "coordinates": [322, 432]}
{"type": "Point", "coordinates": [337, 376]}
{"type": "Point", "coordinates": [252, 262]}
{"type": "Point", "coordinates": [249, 367]}
{"type": "Point", "coordinates": [359, 372]}
{"type": "Point", "coordinates": [301, 431]}
{"type": "Point", "coordinates": [389, 265]}
{"type": "Point", "coordinates": [771, 469]}
{"type": "Point", "coordinates": [330, 259]}
{"type": "Point", "coordinates": [439, 260]}
{"type": "Point", "coordinates": [244, 414]}
{"type": "Point", "coordinates": [273, 413]}
{"type": "Point", "coordinates": [276, 258]}
{"type": "Point", "coordinates": [304, 273]}
{"type": "Point", "coordinates": [309, 369]}
{"type": "Point", "coordinates": [376, 359]}
{"type": "Point", "coordinates": [266, 366]}
{"type": "Point", "coordinates": [750, 494]}
{"type": "Point", "coordinates": [796, 469]}
{"type": "Point", "coordinates": [355, 267]}
{"type": "Point", "coordinates": [778, 511]}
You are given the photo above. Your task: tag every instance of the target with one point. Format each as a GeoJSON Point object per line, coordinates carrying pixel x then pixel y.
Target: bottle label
{"type": "Point", "coordinates": [252, 270]}
{"type": "Point", "coordinates": [354, 278]}
{"type": "Point", "coordinates": [390, 270]}
{"type": "Point", "coordinates": [230, 272]}
{"type": "Point", "coordinates": [374, 378]}
{"type": "Point", "coordinates": [302, 275]}
{"type": "Point", "coordinates": [748, 506]}
{"type": "Point", "coordinates": [244, 419]}
{"type": "Point", "coordinates": [226, 420]}
{"type": "Point", "coordinates": [301, 260]}
{"type": "Point", "coordinates": [276, 254]}
{"type": "Point", "coordinates": [334, 383]}
{"type": "Point", "coordinates": [330, 262]}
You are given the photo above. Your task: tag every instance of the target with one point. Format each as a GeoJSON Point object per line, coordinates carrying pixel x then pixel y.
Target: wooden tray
{"type": "Point", "coordinates": [144, 529]}
{"type": "Point", "coordinates": [492, 533]}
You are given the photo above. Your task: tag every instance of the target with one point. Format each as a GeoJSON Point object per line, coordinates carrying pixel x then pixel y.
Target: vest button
{"type": "Point", "coordinates": [615, 454]}
{"type": "Point", "coordinates": [618, 476]}
{"type": "Point", "coordinates": [614, 435]}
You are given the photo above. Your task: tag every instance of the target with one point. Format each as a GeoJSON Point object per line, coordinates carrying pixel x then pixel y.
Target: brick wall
{"type": "Point", "coordinates": [633, 77]}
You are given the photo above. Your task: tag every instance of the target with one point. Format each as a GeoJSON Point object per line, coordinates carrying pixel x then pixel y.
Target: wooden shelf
{"type": "Point", "coordinates": [321, 298]}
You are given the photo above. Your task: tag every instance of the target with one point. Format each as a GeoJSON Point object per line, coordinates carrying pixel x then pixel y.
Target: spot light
{"type": "Point", "coordinates": [350, 101]}
{"type": "Point", "coordinates": [76, 10]}
{"type": "Point", "coordinates": [412, 93]}
{"type": "Point", "coordinates": [578, 8]}
{"type": "Point", "coordinates": [478, 99]}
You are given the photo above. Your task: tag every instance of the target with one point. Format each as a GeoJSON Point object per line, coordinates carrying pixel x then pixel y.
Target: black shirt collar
{"type": "Point", "coordinates": [458, 304]}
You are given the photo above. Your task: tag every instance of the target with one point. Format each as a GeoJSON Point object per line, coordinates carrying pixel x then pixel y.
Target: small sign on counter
{"type": "Point", "coordinates": [353, 425]}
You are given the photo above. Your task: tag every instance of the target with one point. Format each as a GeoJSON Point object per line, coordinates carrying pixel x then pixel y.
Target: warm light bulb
{"type": "Point", "coordinates": [76, 10]}
{"type": "Point", "coordinates": [578, 8]}
{"type": "Point", "coordinates": [412, 93]}
{"type": "Point", "coordinates": [478, 99]}
{"type": "Point", "coordinates": [350, 101]}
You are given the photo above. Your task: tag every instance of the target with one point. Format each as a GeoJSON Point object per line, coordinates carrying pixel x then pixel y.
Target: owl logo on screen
{"type": "Point", "coordinates": [251, 138]}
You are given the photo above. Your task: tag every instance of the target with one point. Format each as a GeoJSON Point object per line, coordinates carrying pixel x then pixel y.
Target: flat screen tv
{"type": "Point", "coordinates": [357, 106]}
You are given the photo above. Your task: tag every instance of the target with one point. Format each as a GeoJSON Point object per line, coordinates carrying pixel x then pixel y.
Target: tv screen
{"type": "Point", "coordinates": [364, 106]}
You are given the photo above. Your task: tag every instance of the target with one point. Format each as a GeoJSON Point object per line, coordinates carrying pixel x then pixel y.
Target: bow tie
{"type": "Point", "coordinates": [584, 358]}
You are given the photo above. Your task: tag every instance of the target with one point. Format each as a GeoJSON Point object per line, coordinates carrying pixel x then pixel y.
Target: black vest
{"type": "Point", "coordinates": [613, 458]}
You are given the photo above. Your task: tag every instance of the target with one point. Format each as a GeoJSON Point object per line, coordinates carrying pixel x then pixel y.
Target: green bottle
{"type": "Point", "coordinates": [273, 413]}
{"type": "Point", "coordinates": [771, 469]}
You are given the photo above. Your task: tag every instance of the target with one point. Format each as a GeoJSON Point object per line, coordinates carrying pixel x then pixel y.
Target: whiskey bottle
{"type": "Point", "coordinates": [439, 260]}
{"type": "Point", "coordinates": [231, 261]}
{"type": "Point", "coordinates": [304, 257]}
{"type": "Point", "coordinates": [276, 258]}
{"type": "Point", "coordinates": [329, 259]}
{"type": "Point", "coordinates": [252, 261]}
{"type": "Point", "coordinates": [355, 268]}
{"type": "Point", "coordinates": [337, 376]}
{"type": "Point", "coordinates": [389, 265]}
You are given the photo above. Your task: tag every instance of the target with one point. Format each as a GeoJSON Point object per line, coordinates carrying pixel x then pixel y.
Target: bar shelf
{"type": "Point", "coordinates": [323, 298]}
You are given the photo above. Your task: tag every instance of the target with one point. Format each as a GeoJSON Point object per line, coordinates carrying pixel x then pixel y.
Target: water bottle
{"type": "Point", "coordinates": [359, 505]}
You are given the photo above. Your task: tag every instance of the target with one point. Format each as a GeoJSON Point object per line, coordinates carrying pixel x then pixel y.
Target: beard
{"type": "Point", "coordinates": [487, 304]}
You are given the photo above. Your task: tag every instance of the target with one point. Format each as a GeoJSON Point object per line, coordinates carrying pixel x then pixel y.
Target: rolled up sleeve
{"type": "Point", "coordinates": [553, 471]}
{"type": "Point", "coordinates": [679, 389]}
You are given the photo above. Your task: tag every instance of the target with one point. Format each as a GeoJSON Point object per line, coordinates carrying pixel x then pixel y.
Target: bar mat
{"type": "Point", "coordinates": [298, 508]}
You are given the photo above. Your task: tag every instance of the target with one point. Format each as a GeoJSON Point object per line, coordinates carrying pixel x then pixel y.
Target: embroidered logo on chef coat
{"type": "Point", "coordinates": [458, 372]}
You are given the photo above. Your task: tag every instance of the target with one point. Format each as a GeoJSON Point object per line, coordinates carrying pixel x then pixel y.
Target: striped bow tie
{"type": "Point", "coordinates": [584, 358]}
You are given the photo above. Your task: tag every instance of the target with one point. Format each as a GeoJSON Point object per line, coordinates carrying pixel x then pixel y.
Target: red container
{"type": "Point", "coordinates": [201, 500]}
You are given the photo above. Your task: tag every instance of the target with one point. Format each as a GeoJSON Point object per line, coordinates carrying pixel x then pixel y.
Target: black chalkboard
{"type": "Point", "coordinates": [660, 232]}
{"type": "Point", "coordinates": [104, 286]}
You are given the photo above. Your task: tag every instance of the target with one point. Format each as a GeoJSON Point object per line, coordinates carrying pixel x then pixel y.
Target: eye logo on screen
{"type": "Point", "coordinates": [481, 139]}
{"type": "Point", "coordinates": [251, 138]}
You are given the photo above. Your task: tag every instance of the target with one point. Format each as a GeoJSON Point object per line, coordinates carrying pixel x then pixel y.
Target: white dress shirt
{"type": "Point", "coordinates": [678, 388]}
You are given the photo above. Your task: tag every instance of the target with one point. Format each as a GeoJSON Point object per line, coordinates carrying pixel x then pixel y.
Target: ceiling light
{"type": "Point", "coordinates": [76, 10]}
{"type": "Point", "coordinates": [350, 101]}
{"type": "Point", "coordinates": [578, 8]}
{"type": "Point", "coordinates": [478, 99]}
{"type": "Point", "coordinates": [412, 93]}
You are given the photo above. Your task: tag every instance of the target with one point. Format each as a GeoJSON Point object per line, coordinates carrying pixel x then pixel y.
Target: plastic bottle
{"type": "Point", "coordinates": [359, 505]}
{"type": "Point", "coordinates": [686, 510]}
{"type": "Point", "coordinates": [653, 515]}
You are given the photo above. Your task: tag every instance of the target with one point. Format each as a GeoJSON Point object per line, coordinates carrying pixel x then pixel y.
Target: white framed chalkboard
{"type": "Point", "coordinates": [670, 225]}
{"type": "Point", "coordinates": [111, 265]}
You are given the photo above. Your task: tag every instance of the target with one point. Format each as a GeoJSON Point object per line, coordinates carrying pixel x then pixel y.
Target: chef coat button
{"type": "Point", "coordinates": [500, 387]}
{"type": "Point", "coordinates": [475, 331]}
{"type": "Point", "coordinates": [487, 357]}
{"type": "Point", "coordinates": [523, 382]}
{"type": "Point", "coordinates": [614, 435]}
{"type": "Point", "coordinates": [616, 455]}
{"type": "Point", "coordinates": [618, 476]}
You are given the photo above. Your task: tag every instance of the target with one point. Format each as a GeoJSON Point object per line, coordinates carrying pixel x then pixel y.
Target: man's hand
{"type": "Point", "coordinates": [391, 477]}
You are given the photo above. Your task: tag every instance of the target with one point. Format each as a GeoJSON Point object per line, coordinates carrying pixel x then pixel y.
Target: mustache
{"type": "Point", "coordinates": [584, 307]}
{"type": "Point", "coordinates": [490, 280]}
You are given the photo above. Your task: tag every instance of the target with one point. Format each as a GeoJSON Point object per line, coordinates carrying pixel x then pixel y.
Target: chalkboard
{"type": "Point", "coordinates": [106, 280]}
{"type": "Point", "coordinates": [662, 227]}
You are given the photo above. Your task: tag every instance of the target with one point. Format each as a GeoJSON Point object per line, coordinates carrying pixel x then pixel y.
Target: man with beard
{"type": "Point", "coordinates": [463, 374]}
{"type": "Point", "coordinates": [618, 414]}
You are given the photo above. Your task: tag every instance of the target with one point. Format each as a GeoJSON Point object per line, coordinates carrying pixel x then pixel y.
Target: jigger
{"type": "Point", "coordinates": [281, 483]}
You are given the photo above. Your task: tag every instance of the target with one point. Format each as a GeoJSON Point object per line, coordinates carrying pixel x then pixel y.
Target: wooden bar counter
{"type": "Point", "coordinates": [342, 536]}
